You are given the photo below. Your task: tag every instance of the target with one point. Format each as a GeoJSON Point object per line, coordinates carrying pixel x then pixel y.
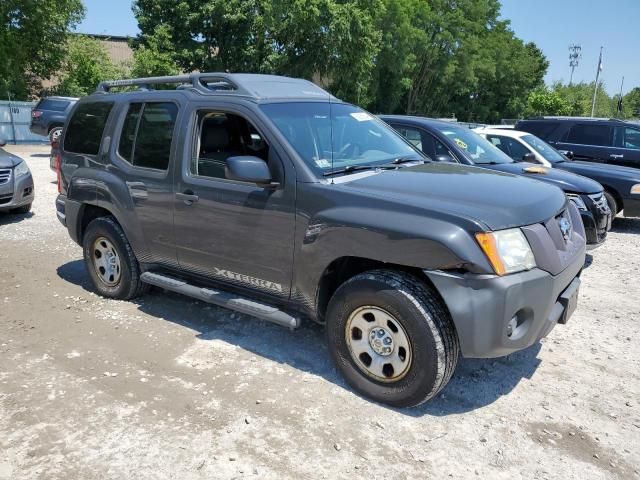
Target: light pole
{"type": "Point", "coordinates": [595, 89]}
{"type": "Point", "coordinates": [575, 54]}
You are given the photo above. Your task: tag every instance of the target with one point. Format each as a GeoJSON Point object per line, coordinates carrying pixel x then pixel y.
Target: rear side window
{"type": "Point", "coordinates": [53, 105]}
{"type": "Point", "coordinates": [84, 132]}
{"type": "Point", "coordinates": [539, 129]}
{"type": "Point", "coordinates": [586, 134]}
{"type": "Point", "coordinates": [147, 134]}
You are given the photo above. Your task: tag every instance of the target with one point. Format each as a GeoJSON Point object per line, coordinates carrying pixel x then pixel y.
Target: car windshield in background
{"type": "Point", "coordinates": [543, 148]}
{"type": "Point", "coordinates": [477, 149]}
{"type": "Point", "coordinates": [333, 137]}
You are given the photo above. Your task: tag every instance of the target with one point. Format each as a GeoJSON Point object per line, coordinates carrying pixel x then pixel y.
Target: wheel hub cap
{"type": "Point", "coordinates": [378, 344]}
{"type": "Point", "coordinates": [106, 261]}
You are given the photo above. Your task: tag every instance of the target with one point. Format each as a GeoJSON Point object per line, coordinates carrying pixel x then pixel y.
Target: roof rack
{"type": "Point", "coordinates": [569, 117]}
{"type": "Point", "coordinates": [256, 86]}
{"type": "Point", "coordinates": [206, 82]}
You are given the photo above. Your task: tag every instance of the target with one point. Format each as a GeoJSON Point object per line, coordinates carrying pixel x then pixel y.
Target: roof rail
{"type": "Point", "coordinates": [568, 117]}
{"type": "Point", "coordinates": [204, 82]}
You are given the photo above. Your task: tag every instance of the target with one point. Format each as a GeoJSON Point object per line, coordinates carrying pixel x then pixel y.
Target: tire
{"type": "Point", "coordinates": [54, 134]}
{"type": "Point", "coordinates": [417, 312]}
{"type": "Point", "coordinates": [613, 204]}
{"type": "Point", "coordinates": [22, 210]}
{"type": "Point", "coordinates": [105, 235]}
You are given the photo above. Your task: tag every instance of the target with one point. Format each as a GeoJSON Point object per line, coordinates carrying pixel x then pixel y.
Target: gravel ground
{"type": "Point", "coordinates": [165, 387]}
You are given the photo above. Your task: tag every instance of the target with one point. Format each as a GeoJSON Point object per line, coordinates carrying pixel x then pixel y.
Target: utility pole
{"type": "Point", "coordinates": [575, 54]}
{"type": "Point", "coordinates": [595, 89]}
{"type": "Point", "coordinates": [619, 106]}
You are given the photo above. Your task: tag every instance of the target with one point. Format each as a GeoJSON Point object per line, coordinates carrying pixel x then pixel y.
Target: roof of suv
{"type": "Point", "coordinates": [575, 119]}
{"type": "Point", "coordinates": [255, 87]}
{"type": "Point", "coordinates": [56, 97]}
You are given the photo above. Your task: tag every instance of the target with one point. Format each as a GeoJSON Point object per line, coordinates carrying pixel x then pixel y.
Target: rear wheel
{"type": "Point", "coordinates": [110, 260]}
{"type": "Point", "coordinates": [391, 337]}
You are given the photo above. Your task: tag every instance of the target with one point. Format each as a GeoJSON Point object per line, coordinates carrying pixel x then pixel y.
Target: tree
{"type": "Point", "coordinates": [579, 96]}
{"type": "Point", "coordinates": [32, 41]}
{"type": "Point", "coordinates": [631, 104]}
{"type": "Point", "coordinates": [546, 102]}
{"type": "Point", "coordinates": [87, 64]}
{"type": "Point", "coordinates": [155, 57]}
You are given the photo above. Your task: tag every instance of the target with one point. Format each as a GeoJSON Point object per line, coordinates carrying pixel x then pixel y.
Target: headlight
{"type": "Point", "coordinates": [21, 169]}
{"type": "Point", "coordinates": [507, 250]}
{"type": "Point", "coordinates": [635, 190]}
{"type": "Point", "coordinates": [577, 200]}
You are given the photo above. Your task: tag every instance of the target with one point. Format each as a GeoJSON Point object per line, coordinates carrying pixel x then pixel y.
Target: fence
{"type": "Point", "coordinates": [15, 118]}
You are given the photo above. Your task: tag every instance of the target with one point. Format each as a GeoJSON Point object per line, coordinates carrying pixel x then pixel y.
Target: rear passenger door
{"type": "Point", "coordinates": [589, 141]}
{"type": "Point", "coordinates": [236, 232]}
{"type": "Point", "coordinates": [143, 154]}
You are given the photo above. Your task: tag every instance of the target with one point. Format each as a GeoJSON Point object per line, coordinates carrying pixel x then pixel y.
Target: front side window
{"type": "Point", "coordinates": [586, 134]}
{"type": "Point", "coordinates": [475, 147]}
{"type": "Point", "coordinates": [330, 137]}
{"type": "Point", "coordinates": [84, 132]}
{"type": "Point", "coordinates": [147, 134]}
{"type": "Point", "coordinates": [220, 136]}
{"type": "Point", "coordinates": [626, 137]}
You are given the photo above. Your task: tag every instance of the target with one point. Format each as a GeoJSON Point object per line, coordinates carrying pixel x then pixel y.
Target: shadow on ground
{"type": "Point", "coordinates": [626, 225]}
{"type": "Point", "coordinates": [7, 218]}
{"type": "Point", "coordinates": [476, 383]}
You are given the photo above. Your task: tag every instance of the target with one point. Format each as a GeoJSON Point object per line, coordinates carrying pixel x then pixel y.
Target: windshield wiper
{"type": "Point", "coordinates": [351, 168]}
{"type": "Point", "coordinates": [401, 160]}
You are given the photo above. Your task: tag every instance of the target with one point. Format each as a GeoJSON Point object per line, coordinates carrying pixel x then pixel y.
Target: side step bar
{"type": "Point", "coordinates": [223, 299]}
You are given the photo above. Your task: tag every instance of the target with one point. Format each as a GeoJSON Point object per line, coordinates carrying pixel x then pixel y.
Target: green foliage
{"type": "Point", "coordinates": [631, 104]}
{"type": "Point", "coordinates": [32, 41]}
{"type": "Point", "coordinates": [543, 101]}
{"type": "Point", "coordinates": [155, 57]}
{"type": "Point", "coordinates": [87, 64]}
{"type": "Point", "coordinates": [579, 97]}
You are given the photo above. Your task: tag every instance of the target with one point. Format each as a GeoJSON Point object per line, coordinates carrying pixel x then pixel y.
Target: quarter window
{"type": "Point", "coordinates": [84, 132]}
{"type": "Point", "coordinates": [147, 134]}
{"type": "Point", "coordinates": [585, 134]}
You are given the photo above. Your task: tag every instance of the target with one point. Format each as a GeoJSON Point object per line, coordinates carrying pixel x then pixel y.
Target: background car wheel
{"type": "Point", "coordinates": [54, 134]}
{"type": "Point", "coordinates": [391, 337]}
{"type": "Point", "coordinates": [613, 205]}
{"type": "Point", "coordinates": [110, 260]}
{"type": "Point", "coordinates": [22, 210]}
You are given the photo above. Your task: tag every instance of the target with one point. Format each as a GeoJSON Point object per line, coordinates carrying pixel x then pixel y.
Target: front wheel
{"type": "Point", "coordinates": [613, 204]}
{"type": "Point", "coordinates": [391, 337]}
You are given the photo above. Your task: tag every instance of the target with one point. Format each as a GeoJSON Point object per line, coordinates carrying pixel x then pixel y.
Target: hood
{"type": "Point", "coordinates": [567, 181]}
{"type": "Point", "coordinates": [8, 160]}
{"type": "Point", "coordinates": [497, 200]}
{"type": "Point", "coordinates": [601, 170]}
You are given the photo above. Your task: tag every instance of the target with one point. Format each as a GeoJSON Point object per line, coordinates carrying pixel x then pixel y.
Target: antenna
{"type": "Point", "coordinates": [575, 54]}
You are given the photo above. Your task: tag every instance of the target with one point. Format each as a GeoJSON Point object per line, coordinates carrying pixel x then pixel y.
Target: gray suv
{"type": "Point", "coordinates": [16, 183]}
{"type": "Point", "coordinates": [50, 113]}
{"type": "Point", "coordinates": [268, 196]}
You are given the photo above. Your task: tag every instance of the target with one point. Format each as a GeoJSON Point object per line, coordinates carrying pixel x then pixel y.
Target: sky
{"type": "Point", "coordinates": [552, 24]}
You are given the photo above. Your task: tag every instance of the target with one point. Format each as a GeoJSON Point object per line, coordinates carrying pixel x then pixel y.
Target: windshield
{"type": "Point", "coordinates": [331, 137]}
{"type": "Point", "coordinates": [544, 149]}
{"type": "Point", "coordinates": [476, 148]}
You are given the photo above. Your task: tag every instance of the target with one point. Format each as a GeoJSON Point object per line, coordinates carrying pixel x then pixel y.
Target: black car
{"type": "Point", "coordinates": [609, 141]}
{"type": "Point", "coordinates": [267, 195]}
{"type": "Point", "coordinates": [50, 113]}
{"type": "Point", "coordinates": [621, 184]}
{"type": "Point", "coordinates": [449, 142]}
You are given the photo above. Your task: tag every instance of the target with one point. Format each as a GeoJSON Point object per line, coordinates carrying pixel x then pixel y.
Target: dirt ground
{"type": "Point", "coordinates": [168, 388]}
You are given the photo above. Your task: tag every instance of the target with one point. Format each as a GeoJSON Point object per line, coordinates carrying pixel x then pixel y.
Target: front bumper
{"type": "Point", "coordinates": [596, 219]}
{"type": "Point", "coordinates": [482, 307]}
{"type": "Point", "coordinates": [18, 192]}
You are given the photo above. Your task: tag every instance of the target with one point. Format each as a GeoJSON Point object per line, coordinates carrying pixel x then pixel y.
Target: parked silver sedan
{"type": "Point", "coordinates": [16, 183]}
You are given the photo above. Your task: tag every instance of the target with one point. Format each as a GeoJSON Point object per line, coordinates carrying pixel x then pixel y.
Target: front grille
{"type": "Point", "coordinates": [600, 201]}
{"type": "Point", "coordinates": [5, 199]}
{"type": "Point", "coordinates": [5, 176]}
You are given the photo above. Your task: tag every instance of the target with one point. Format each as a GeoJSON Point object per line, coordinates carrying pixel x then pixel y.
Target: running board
{"type": "Point", "coordinates": [223, 299]}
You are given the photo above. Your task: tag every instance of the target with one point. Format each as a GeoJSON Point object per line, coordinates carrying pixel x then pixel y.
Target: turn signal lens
{"type": "Point", "coordinates": [635, 190]}
{"type": "Point", "coordinates": [488, 244]}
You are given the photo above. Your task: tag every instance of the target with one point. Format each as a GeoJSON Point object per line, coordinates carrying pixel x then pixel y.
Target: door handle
{"type": "Point", "coordinates": [137, 189]}
{"type": "Point", "coordinates": [188, 197]}
{"type": "Point", "coordinates": [613, 155]}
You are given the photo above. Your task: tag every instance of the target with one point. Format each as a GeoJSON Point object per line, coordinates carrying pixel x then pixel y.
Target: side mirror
{"type": "Point", "coordinates": [248, 169]}
{"type": "Point", "coordinates": [3, 142]}
{"type": "Point", "coordinates": [444, 159]}
{"type": "Point", "coordinates": [529, 157]}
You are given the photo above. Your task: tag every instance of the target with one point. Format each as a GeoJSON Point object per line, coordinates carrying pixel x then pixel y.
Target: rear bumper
{"type": "Point", "coordinates": [23, 193]}
{"type": "Point", "coordinates": [631, 206]}
{"type": "Point", "coordinates": [38, 129]}
{"type": "Point", "coordinates": [483, 306]}
{"type": "Point", "coordinates": [67, 212]}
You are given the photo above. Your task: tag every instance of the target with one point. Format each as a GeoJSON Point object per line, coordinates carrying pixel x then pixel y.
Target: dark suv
{"type": "Point", "coordinates": [50, 113]}
{"type": "Point", "coordinates": [450, 142]}
{"type": "Point", "coordinates": [602, 140]}
{"type": "Point", "coordinates": [268, 196]}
